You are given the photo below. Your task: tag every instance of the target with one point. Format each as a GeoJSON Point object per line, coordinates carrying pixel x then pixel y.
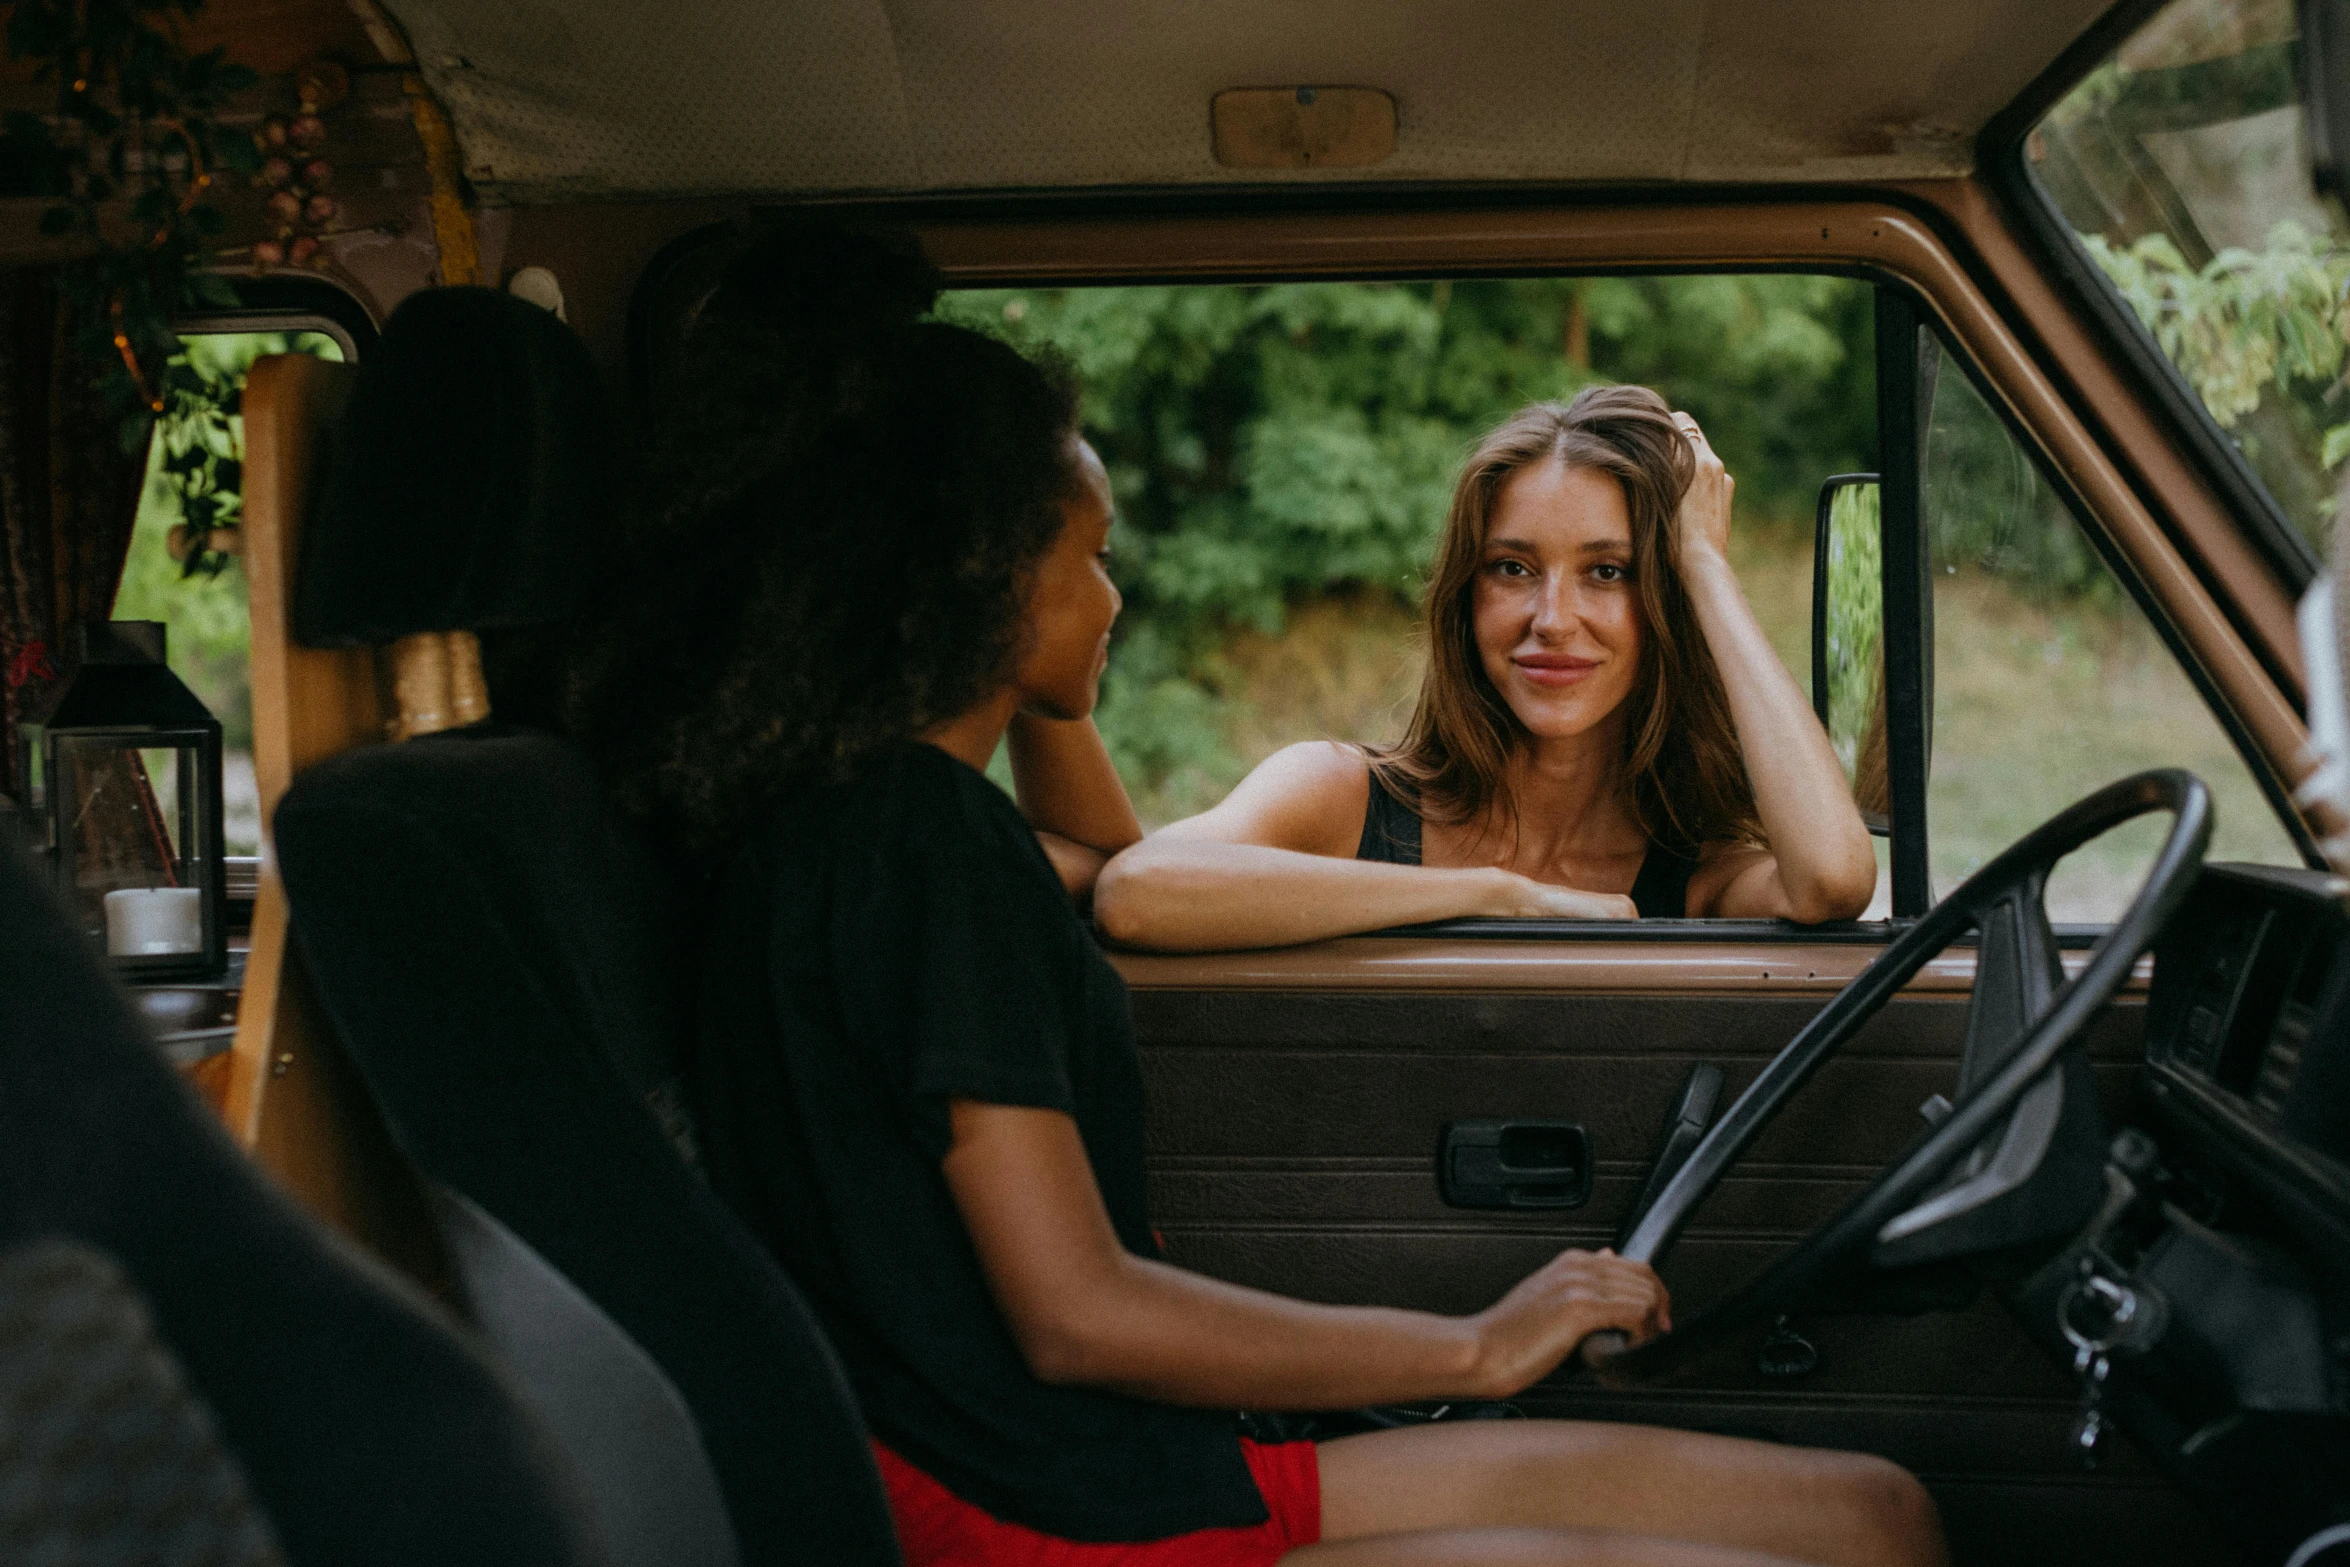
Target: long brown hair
{"type": "Point", "coordinates": [1684, 778]}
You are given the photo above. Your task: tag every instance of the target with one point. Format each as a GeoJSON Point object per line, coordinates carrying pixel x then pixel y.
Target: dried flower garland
{"type": "Point", "coordinates": [296, 174]}
{"type": "Point", "coordinates": [129, 154]}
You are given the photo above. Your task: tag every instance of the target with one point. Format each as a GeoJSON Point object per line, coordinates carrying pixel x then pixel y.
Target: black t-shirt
{"type": "Point", "coordinates": [885, 947]}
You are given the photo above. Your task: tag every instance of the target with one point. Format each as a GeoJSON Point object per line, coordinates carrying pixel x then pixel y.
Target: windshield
{"type": "Point", "coordinates": [2178, 165]}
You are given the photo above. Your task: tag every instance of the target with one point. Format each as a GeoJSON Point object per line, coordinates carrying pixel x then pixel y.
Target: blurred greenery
{"type": "Point", "coordinates": [1988, 509]}
{"type": "Point", "coordinates": [209, 633]}
{"type": "Point", "coordinates": [1274, 445]}
{"type": "Point", "coordinates": [1855, 622]}
{"type": "Point", "coordinates": [2250, 326]}
{"type": "Point", "coordinates": [2181, 165]}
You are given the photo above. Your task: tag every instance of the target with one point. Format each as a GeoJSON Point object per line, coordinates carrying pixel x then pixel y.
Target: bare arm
{"type": "Point", "coordinates": [1274, 865]}
{"type": "Point", "coordinates": [1071, 795]}
{"type": "Point", "coordinates": [1820, 865]}
{"type": "Point", "coordinates": [1086, 1311]}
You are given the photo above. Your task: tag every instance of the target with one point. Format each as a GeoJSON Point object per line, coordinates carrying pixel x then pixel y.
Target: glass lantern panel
{"type": "Point", "coordinates": [165, 771]}
{"type": "Point", "coordinates": [128, 836]}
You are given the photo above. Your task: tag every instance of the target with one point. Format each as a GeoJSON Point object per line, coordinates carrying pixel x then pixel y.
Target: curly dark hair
{"type": "Point", "coordinates": [843, 505]}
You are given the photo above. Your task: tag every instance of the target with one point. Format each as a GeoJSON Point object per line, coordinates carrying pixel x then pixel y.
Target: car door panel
{"type": "Point", "coordinates": [1294, 1126]}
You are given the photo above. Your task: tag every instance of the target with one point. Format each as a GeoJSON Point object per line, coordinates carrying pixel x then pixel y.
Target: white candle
{"type": "Point", "coordinates": [154, 921]}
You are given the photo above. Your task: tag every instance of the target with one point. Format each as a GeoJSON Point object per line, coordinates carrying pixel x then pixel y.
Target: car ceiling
{"type": "Point", "coordinates": [560, 99]}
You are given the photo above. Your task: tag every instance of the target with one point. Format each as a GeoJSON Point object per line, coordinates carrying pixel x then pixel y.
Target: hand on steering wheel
{"type": "Point", "coordinates": [2019, 1091]}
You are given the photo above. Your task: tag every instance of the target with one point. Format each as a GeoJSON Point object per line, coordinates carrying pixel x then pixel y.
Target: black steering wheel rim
{"type": "Point", "coordinates": [2020, 870]}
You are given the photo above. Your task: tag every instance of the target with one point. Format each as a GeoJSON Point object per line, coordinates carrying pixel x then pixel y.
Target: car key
{"type": "Point", "coordinates": [2090, 1365]}
{"type": "Point", "coordinates": [2119, 1305]}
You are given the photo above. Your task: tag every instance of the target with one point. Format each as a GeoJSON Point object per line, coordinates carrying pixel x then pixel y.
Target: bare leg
{"type": "Point", "coordinates": [1522, 1548]}
{"type": "Point", "coordinates": [1804, 1504]}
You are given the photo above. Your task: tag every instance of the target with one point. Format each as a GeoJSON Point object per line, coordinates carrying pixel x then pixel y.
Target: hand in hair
{"type": "Point", "coordinates": [1703, 521]}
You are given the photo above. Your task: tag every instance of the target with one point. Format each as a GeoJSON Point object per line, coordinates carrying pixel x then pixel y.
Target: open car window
{"type": "Point", "coordinates": [1283, 456]}
{"type": "Point", "coordinates": [2048, 681]}
{"type": "Point", "coordinates": [2178, 169]}
{"type": "Point", "coordinates": [183, 566]}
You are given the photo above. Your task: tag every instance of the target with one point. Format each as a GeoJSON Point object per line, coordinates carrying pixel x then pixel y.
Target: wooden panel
{"type": "Point", "coordinates": [292, 1100]}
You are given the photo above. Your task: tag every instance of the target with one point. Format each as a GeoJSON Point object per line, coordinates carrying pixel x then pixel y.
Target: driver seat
{"type": "Point", "coordinates": [500, 955]}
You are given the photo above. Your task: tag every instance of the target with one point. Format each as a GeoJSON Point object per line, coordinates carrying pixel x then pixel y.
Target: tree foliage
{"type": "Point", "coordinates": [195, 478]}
{"type": "Point", "coordinates": [2247, 323]}
{"type": "Point", "coordinates": [1270, 444]}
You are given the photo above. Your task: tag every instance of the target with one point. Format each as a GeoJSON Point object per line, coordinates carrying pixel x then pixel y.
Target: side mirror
{"type": "Point", "coordinates": [1848, 639]}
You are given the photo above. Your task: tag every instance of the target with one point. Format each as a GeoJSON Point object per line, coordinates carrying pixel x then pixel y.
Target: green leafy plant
{"type": "Point", "coordinates": [200, 449]}
{"type": "Point", "coordinates": [129, 152]}
{"type": "Point", "coordinates": [2247, 323]}
{"type": "Point", "coordinates": [1854, 619]}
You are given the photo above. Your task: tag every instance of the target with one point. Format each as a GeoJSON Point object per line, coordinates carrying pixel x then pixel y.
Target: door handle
{"type": "Point", "coordinates": [1685, 1127]}
{"type": "Point", "coordinates": [1514, 1164]}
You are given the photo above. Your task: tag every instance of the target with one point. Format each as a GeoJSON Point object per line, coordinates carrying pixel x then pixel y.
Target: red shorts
{"type": "Point", "coordinates": [937, 1528]}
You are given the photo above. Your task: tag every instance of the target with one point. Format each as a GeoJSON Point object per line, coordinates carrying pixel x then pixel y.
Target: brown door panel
{"type": "Point", "coordinates": [1332, 1104]}
{"type": "Point", "coordinates": [1277, 1106]}
{"type": "Point", "coordinates": [1293, 1140]}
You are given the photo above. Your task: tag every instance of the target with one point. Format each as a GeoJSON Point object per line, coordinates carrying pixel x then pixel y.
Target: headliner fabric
{"type": "Point", "coordinates": [559, 99]}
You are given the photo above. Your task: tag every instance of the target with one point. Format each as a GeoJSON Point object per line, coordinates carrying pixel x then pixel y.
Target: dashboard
{"type": "Point", "coordinates": [2216, 1276]}
{"type": "Point", "coordinates": [2248, 1041]}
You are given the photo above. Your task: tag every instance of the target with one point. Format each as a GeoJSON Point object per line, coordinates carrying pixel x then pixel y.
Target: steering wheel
{"type": "Point", "coordinates": [2018, 1156]}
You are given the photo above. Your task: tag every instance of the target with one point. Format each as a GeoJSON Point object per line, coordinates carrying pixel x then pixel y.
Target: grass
{"type": "Point", "coordinates": [2035, 705]}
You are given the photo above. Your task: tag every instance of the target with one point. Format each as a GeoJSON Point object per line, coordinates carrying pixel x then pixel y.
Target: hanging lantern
{"type": "Point", "coordinates": [127, 782]}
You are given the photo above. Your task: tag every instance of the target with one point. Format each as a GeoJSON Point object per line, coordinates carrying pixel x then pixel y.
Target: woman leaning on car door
{"type": "Point", "coordinates": [875, 546]}
{"type": "Point", "coordinates": [1602, 732]}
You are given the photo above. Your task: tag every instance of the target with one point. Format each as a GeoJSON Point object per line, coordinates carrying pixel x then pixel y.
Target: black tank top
{"type": "Point", "coordinates": [1391, 833]}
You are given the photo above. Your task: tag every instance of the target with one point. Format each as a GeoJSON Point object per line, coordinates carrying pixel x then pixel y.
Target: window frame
{"type": "Point", "coordinates": [277, 303]}
{"type": "Point", "coordinates": [2001, 153]}
{"type": "Point", "coordinates": [283, 304]}
{"type": "Point", "coordinates": [1881, 237]}
{"type": "Point", "coordinates": [2273, 788]}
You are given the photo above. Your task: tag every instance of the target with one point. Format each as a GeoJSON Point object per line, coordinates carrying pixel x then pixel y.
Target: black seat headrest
{"type": "Point", "coordinates": [372, 1435]}
{"type": "Point", "coordinates": [466, 481]}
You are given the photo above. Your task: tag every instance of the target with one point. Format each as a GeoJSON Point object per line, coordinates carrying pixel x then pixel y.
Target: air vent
{"type": "Point", "coordinates": [2281, 1060]}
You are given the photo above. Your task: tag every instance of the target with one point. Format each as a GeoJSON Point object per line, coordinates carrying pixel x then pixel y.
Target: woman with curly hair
{"type": "Point", "coordinates": [875, 549]}
{"type": "Point", "coordinates": [1603, 731]}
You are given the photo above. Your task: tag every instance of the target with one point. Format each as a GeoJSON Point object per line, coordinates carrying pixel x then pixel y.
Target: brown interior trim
{"type": "Point", "coordinates": [1397, 963]}
{"type": "Point", "coordinates": [1875, 235]}
{"type": "Point", "coordinates": [293, 1101]}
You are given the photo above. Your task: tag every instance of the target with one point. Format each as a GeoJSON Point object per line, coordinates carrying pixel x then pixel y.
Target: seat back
{"type": "Point", "coordinates": [616, 1415]}
{"type": "Point", "coordinates": [500, 958]}
{"type": "Point", "coordinates": [105, 1456]}
{"type": "Point", "coordinates": [368, 1431]}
